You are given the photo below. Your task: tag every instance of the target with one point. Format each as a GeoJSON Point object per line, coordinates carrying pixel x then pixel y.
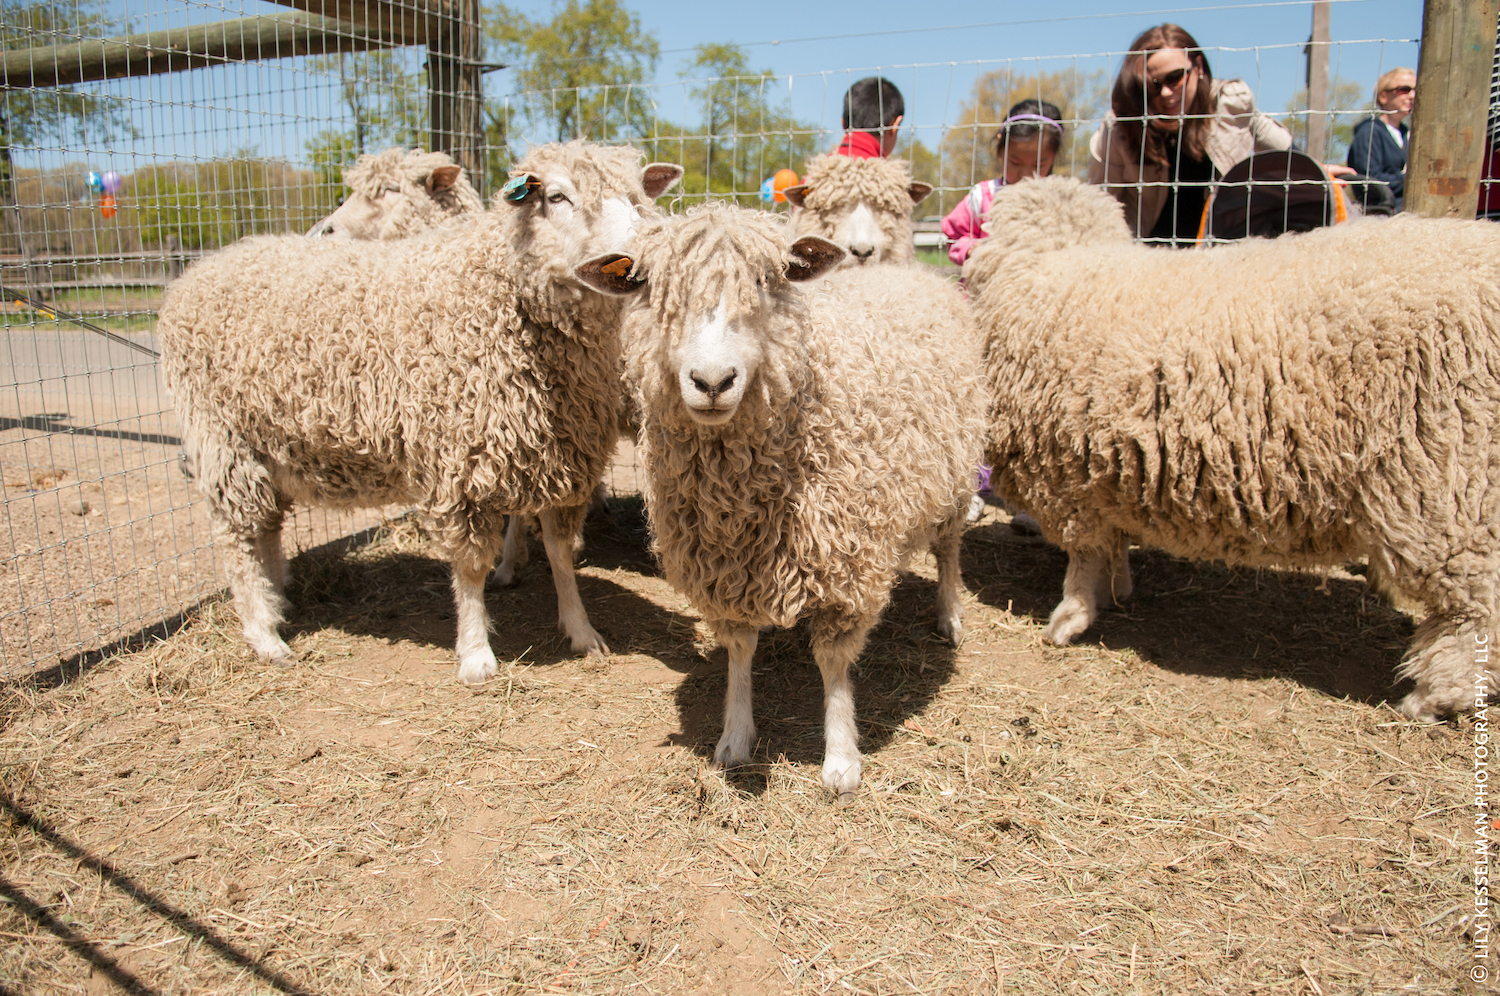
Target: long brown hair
{"type": "Point", "coordinates": [1129, 99]}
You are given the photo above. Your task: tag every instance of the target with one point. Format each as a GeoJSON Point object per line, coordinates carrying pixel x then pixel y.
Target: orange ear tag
{"type": "Point", "coordinates": [617, 268]}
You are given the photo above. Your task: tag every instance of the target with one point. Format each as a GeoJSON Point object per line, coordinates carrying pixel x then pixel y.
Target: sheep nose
{"type": "Point", "coordinates": [713, 390]}
{"type": "Point", "coordinates": [862, 253]}
{"type": "Point", "coordinates": [319, 231]}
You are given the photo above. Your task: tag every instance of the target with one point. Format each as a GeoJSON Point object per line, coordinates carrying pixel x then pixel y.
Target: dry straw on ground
{"type": "Point", "coordinates": [1208, 795]}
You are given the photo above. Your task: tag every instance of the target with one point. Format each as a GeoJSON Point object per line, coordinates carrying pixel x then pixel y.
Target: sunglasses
{"type": "Point", "coordinates": [1172, 79]}
{"type": "Point", "coordinates": [1399, 89]}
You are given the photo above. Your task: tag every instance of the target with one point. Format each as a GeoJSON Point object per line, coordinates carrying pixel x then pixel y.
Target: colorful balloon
{"type": "Point", "coordinates": [772, 191]}
{"type": "Point", "coordinates": [95, 182]}
{"type": "Point", "coordinates": [107, 205]}
{"type": "Point", "coordinates": [111, 182]}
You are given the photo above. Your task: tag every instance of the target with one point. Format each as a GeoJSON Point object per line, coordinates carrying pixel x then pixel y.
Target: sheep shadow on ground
{"type": "Point", "coordinates": [1331, 634]}
{"type": "Point", "coordinates": [395, 590]}
{"type": "Point", "coordinates": [904, 666]}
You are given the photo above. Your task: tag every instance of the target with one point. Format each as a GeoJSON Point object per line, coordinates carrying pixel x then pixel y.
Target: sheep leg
{"type": "Point", "coordinates": [248, 513]}
{"type": "Point", "coordinates": [1088, 570]}
{"type": "Point", "coordinates": [476, 659]}
{"type": "Point", "coordinates": [950, 605]}
{"type": "Point", "coordinates": [737, 743]}
{"type": "Point", "coordinates": [1115, 583]}
{"type": "Point", "coordinates": [559, 525]}
{"type": "Point", "coordinates": [513, 555]}
{"type": "Point", "coordinates": [1453, 662]}
{"type": "Point", "coordinates": [838, 639]}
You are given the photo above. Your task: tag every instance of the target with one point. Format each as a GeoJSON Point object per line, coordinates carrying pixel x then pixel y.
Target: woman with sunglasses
{"type": "Point", "coordinates": [1171, 132]}
{"type": "Point", "coordinates": [1378, 146]}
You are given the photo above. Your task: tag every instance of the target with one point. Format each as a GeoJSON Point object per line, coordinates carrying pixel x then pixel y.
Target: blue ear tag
{"type": "Point", "coordinates": [518, 187]}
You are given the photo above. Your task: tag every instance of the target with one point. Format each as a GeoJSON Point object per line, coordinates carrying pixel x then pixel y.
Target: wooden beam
{"type": "Point", "coordinates": [275, 36]}
{"type": "Point", "coordinates": [1447, 148]}
{"type": "Point", "coordinates": [1317, 83]}
{"type": "Point", "coordinates": [414, 22]}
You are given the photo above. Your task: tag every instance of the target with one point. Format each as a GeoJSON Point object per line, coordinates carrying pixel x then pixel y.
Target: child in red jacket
{"type": "Point", "coordinates": [873, 109]}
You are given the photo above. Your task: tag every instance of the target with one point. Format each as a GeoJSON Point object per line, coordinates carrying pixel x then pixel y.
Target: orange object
{"type": "Point", "coordinates": [107, 205]}
{"type": "Point", "coordinates": [780, 180]}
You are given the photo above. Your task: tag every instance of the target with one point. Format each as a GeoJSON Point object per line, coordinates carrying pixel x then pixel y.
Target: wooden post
{"type": "Point", "coordinates": [1317, 83]}
{"type": "Point", "coordinates": [454, 81]}
{"type": "Point", "coordinates": [1447, 148]}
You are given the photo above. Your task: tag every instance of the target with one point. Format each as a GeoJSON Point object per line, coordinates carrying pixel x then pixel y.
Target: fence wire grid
{"type": "Point", "coordinates": [137, 138]}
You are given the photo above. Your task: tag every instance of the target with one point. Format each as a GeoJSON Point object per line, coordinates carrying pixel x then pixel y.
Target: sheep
{"type": "Point", "coordinates": [1300, 402]}
{"type": "Point", "coordinates": [863, 205]}
{"type": "Point", "coordinates": [798, 446]}
{"type": "Point", "coordinates": [396, 194]}
{"type": "Point", "coordinates": [468, 375]}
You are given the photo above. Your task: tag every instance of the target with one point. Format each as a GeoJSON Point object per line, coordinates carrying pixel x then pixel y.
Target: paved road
{"type": "Point", "coordinates": [47, 361]}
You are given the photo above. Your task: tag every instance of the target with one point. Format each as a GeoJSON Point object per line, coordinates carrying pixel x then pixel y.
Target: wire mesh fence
{"type": "Point", "coordinates": [139, 137]}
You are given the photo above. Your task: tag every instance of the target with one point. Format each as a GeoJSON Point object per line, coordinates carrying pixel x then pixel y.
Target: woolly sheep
{"type": "Point", "coordinates": [798, 445]}
{"type": "Point", "coordinates": [1297, 402]}
{"type": "Point", "coordinates": [863, 205]}
{"type": "Point", "coordinates": [396, 194]}
{"type": "Point", "coordinates": [468, 375]}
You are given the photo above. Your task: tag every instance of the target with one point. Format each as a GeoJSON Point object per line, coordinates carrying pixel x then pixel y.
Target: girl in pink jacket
{"type": "Point", "coordinates": [1026, 144]}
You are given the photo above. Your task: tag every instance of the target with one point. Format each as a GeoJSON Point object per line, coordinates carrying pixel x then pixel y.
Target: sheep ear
{"type": "Point", "coordinates": [610, 274]}
{"type": "Point", "coordinates": [658, 178]}
{"type": "Point", "coordinates": [812, 257]}
{"type": "Point", "coordinates": [795, 195]}
{"type": "Point", "coordinates": [443, 178]}
{"type": "Point", "coordinates": [918, 191]}
{"type": "Point", "coordinates": [521, 188]}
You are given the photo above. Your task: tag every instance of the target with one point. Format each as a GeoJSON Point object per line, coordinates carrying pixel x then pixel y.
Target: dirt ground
{"type": "Point", "coordinates": [1209, 794]}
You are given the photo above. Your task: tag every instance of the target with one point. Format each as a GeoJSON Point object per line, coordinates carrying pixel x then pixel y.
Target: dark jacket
{"type": "Point", "coordinates": [1373, 152]}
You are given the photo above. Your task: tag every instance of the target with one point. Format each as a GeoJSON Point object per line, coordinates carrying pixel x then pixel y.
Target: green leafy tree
{"type": "Point", "coordinates": [1350, 104]}
{"type": "Point", "coordinates": [579, 73]}
{"type": "Point", "coordinates": [743, 136]}
{"type": "Point", "coordinates": [29, 117]}
{"type": "Point", "coordinates": [966, 154]}
{"type": "Point", "coordinates": [386, 105]}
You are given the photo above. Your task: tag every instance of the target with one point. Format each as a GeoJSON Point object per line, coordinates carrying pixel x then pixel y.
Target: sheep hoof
{"type": "Point", "coordinates": [590, 643]}
{"type": "Point", "coordinates": [952, 628]}
{"type": "Point", "coordinates": [505, 576]}
{"type": "Point", "coordinates": [474, 670]}
{"type": "Point", "coordinates": [1419, 706]}
{"type": "Point", "coordinates": [842, 777]}
{"type": "Point", "coordinates": [282, 656]}
{"type": "Point", "coordinates": [734, 749]}
{"type": "Point", "coordinates": [1068, 620]}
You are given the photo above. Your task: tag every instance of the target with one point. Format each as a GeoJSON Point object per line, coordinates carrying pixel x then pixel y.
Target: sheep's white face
{"type": "Point", "coordinates": [858, 230]}
{"type": "Point", "coordinates": [585, 232]}
{"type": "Point", "coordinates": [360, 217]}
{"type": "Point", "coordinates": [716, 359]}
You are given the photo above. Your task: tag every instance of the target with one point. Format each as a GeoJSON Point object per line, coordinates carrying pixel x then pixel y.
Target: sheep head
{"type": "Point", "coordinates": [714, 294]}
{"type": "Point", "coordinates": [863, 205]}
{"type": "Point", "coordinates": [395, 194]}
{"type": "Point", "coordinates": [584, 199]}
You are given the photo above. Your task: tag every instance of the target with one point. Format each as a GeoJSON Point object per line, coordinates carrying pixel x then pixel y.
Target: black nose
{"type": "Point", "coordinates": [863, 252]}
{"type": "Point", "coordinates": [712, 390]}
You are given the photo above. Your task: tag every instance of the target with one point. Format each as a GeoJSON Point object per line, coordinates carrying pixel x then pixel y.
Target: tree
{"type": "Point", "coordinates": [29, 117]}
{"type": "Point", "coordinates": [965, 150]}
{"type": "Point", "coordinates": [1344, 99]}
{"type": "Point", "coordinates": [386, 104]}
{"type": "Point", "coordinates": [742, 137]}
{"type": "Point", "coordinates": [579, 73]}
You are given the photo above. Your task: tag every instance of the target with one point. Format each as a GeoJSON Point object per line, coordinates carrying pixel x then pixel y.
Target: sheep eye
{"type": "Point", "coordinates": [556, 198]}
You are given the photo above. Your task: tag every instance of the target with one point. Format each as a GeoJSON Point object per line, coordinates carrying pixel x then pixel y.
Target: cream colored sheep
{"type": "Point", "coordinates": [798, 445]}
{"type": "Point", "coordinates": [1304, 401]}
{"type": "Point", "coordinates": [396, 194]}
{"type": "Point", "coordinates": [468, 376]}
{"type": "Point", "coordinates": [863, 205]}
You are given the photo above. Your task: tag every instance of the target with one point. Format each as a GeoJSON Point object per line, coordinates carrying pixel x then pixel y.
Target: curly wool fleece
{"type": "Point", "coordinates": [419, 208]}
{"type": "Point", "coordinates": [837, 183]}
{"type": "Point", "coordinates": [859, 434]}
{"type": "Point", "coordinates": [1308, 400]}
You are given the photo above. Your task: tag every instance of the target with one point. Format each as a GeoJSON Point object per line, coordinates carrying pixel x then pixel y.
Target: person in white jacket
{"type": "Point", "coordinates": [1172, 131]}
